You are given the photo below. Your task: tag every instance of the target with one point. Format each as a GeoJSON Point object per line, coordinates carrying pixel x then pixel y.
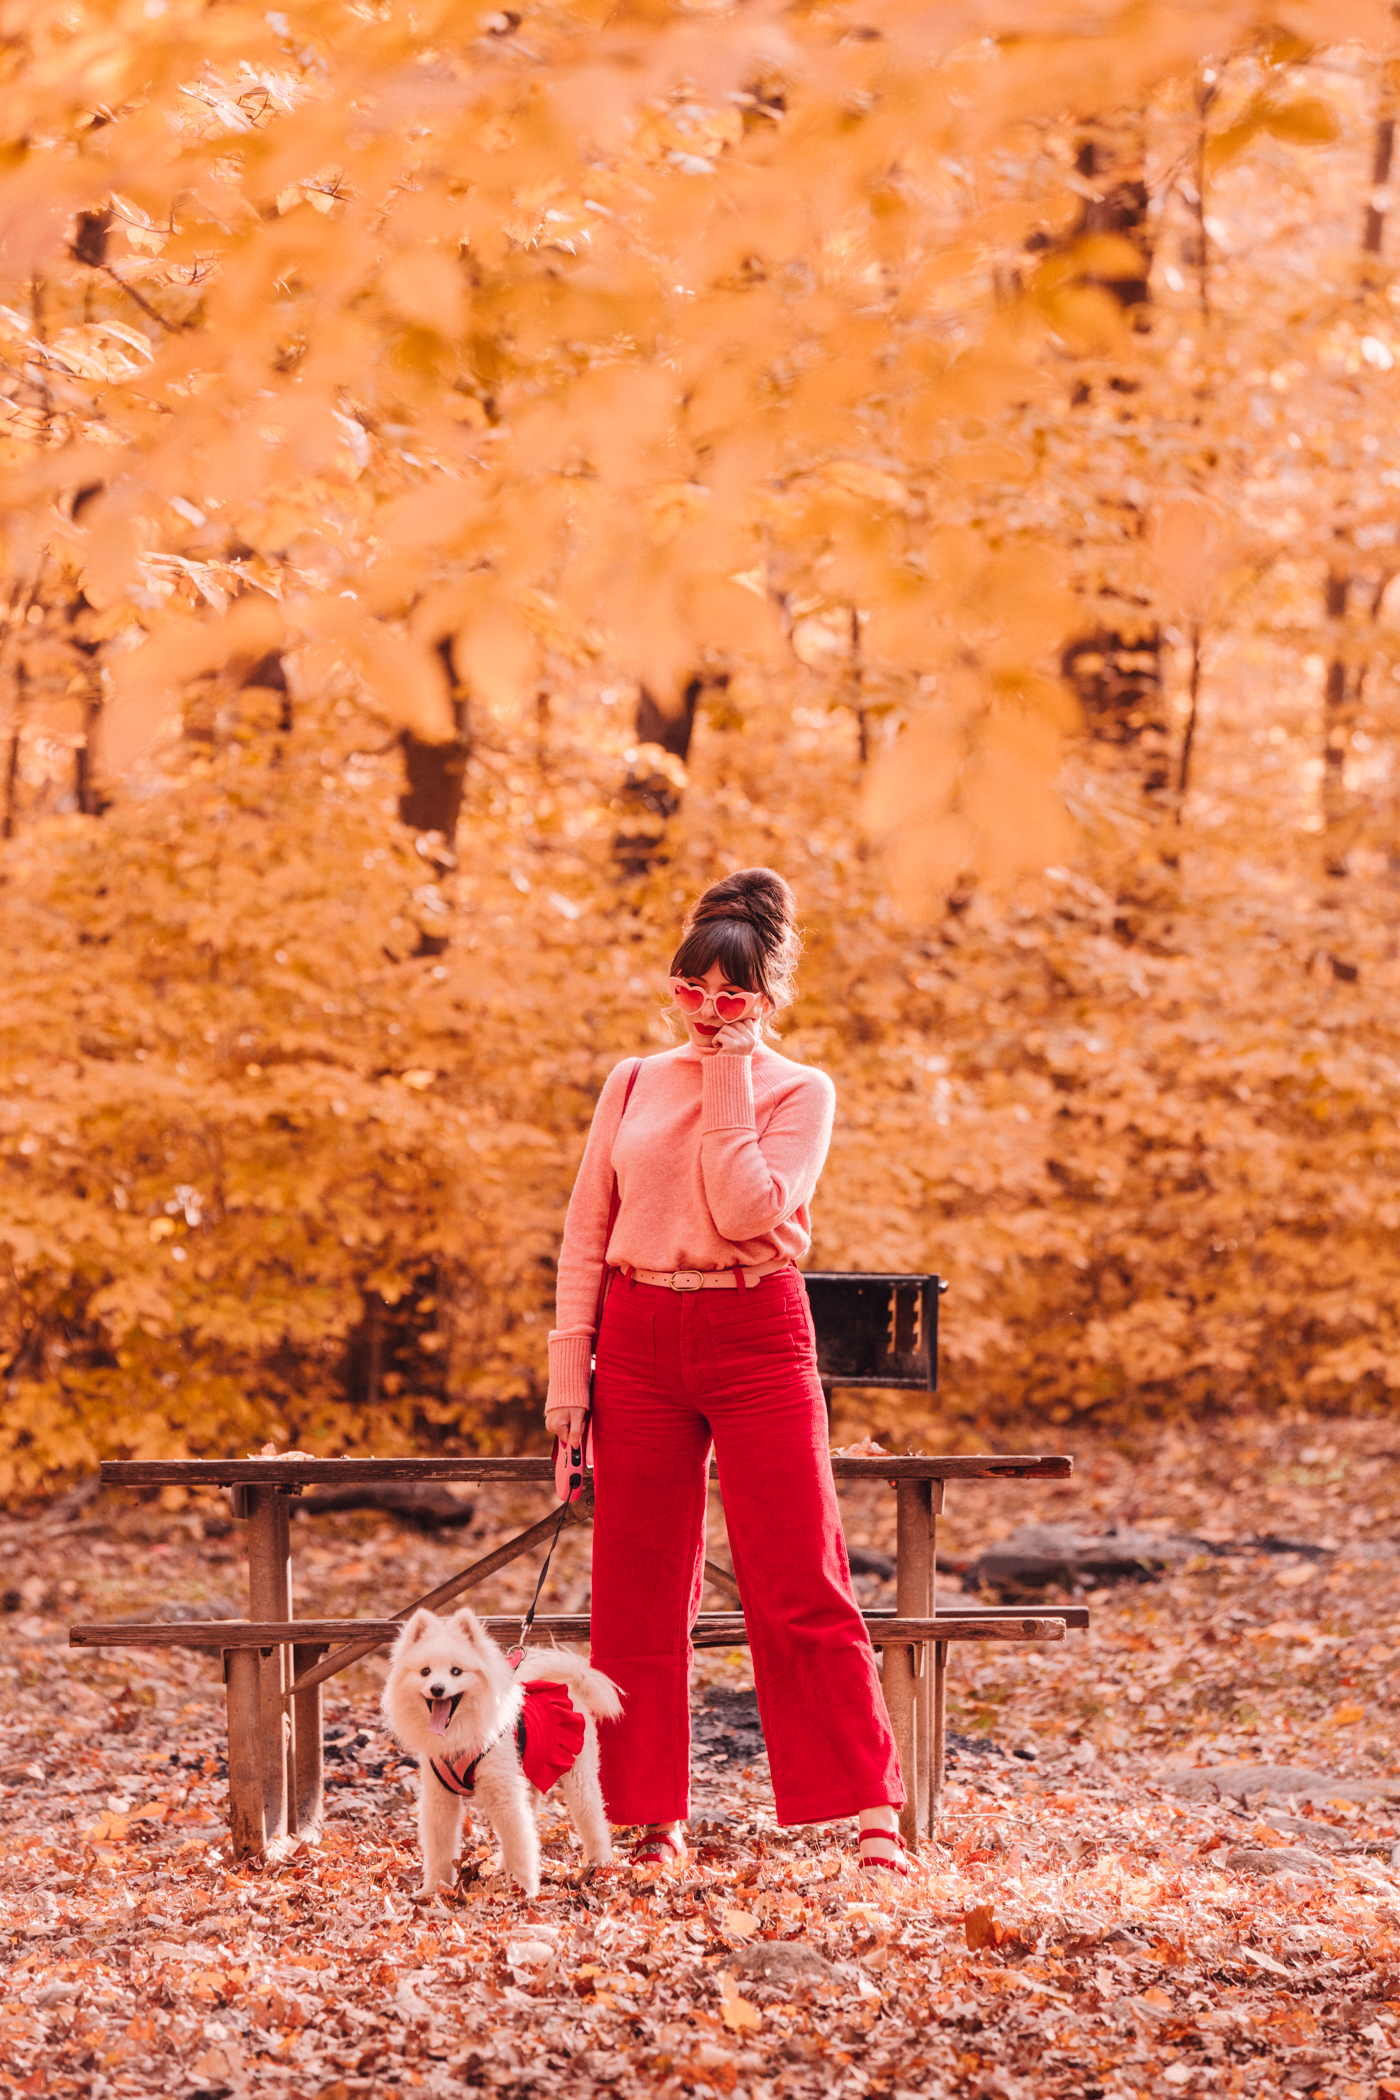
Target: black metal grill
{"type": "Point", "coordinates": [875, 1330]}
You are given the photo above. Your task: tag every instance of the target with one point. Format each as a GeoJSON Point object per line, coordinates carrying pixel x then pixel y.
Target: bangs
{"type": "Point", "coordinates": [732, 943]}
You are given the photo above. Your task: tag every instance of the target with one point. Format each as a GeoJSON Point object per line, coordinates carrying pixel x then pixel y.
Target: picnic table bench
{"type": "Point", "coordinates": [275, 1664]}
{"type": "Point", "coordinates": [871, 1330]}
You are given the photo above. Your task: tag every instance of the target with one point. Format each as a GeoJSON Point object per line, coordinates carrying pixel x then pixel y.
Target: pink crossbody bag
{"type": "Point", "coordinates": [571, 1460]}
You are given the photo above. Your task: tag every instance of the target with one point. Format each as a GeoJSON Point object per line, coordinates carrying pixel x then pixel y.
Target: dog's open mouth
{"type": "Point", "coordinates": [440, 1712]}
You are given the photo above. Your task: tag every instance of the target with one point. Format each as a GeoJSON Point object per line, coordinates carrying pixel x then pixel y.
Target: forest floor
{"type": "Point", "coordinates": [1083, 1927]}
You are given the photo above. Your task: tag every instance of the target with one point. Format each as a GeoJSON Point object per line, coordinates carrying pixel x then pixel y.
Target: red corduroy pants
{"type": "Point", "coordinates": [678, 1372]}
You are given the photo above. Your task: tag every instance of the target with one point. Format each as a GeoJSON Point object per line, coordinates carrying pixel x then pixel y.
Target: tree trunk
{"type": "Point", "coordinates": [1383, 152]}
{"type": "Point", "coordinates": [1117, 675]}
{"type": "Point", "coordinates": [1337, 723]}
{"type": "Point", "coordinates": [1112, 158]}
{"type": "Point", "coordinates": [1188, 741]}
{"type": "Point", "coordinates": [270, 673]}
{"type": "Point", "coordinates": [650, 795]}
{"type": "Point", "coordinates": [89, 797]}
{"type": "Point", "coordinates": [10, 814]}
{"type": "Point", "coordinates": [385, 1356]}
{"type": "Point", "coordinates": [86, 792]}
{"type": "Point", "coordinates": [1116, 667]}
{"type": "Point", "coordinates": [436, 773]}
{"type": "Point", "coordinates": [671, 732]}
{"type": "Point", "coordinates": [1342, 686]}
{"type": "Point", "coordinates": [858, 707]}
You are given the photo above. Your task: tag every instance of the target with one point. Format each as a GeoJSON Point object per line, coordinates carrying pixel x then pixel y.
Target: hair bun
{"type": "Point", "coordinates": [764, 946]}
{"type": "Point", "coordinates": [759, 895]}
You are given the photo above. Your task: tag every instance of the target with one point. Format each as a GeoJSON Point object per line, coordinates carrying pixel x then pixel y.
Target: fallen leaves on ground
{"type": "Point", "coordinates": [1139, 1908]}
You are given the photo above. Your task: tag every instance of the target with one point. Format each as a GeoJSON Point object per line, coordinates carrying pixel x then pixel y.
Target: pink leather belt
{"type": "Point", "coordinates": [706, 1279]}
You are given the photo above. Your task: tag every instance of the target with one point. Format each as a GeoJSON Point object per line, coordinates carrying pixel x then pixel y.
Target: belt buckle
{"type": "Point", "coordinates": [687, 1280]}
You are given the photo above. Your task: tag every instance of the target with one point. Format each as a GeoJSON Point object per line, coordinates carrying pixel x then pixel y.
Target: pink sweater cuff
{"type": "Point", "coordinates": [570, 1361]}
{"type": "Point", "coordinates": [726, 1094]}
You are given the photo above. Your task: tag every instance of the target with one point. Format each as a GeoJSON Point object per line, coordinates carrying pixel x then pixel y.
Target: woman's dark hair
{"type": "Point", "coordinates": [745, 924]}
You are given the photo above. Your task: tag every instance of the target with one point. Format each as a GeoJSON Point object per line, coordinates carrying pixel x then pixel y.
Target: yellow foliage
{"type": "Point", "coordinates": [495, 653]}
{"type": "Point", "coordinates": [385, 383]}
{"type": "Point", "coordinates": [1305, 120]}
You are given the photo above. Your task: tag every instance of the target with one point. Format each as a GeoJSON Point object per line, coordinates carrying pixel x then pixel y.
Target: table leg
{"type": "Point", "coordinates": [306, 1743]}
{"type": "Point", "coordinates": [245, 1763]}
{"type": "Point", "coordinates": [933, 1685]}
{"type": "Point", "coordinates": [939, 1754]}
{"type": "Point", "coordinates": [898, 1683]}
{"type": "Point", "coordinates": [907, 1682]}
{"type": "Point", "coordinates": [270, 1597]}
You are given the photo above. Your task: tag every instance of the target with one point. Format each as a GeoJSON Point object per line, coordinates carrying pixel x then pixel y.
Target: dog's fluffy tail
{"type": "Point", "coordinates": [589, 1688]}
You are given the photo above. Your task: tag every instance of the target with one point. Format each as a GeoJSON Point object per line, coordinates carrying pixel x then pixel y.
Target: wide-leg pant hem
{"type": "Point", "coordinates": [790, 1817]}
{"type": "Point", "coordinates": [678, 1373]}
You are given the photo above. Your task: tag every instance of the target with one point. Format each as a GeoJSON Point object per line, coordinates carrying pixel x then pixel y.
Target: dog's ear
{"type": "Point", "coordinates": [471, 1627]}
{"type": "Point", "coordinates": [416, 1629]}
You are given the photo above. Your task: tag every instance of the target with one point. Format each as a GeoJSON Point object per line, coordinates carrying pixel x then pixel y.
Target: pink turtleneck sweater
{"type": "Point", "coordinates": [716, 1161]}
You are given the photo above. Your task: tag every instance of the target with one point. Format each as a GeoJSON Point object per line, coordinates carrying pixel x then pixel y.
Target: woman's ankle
{"type": "Point", "coordinates": [660, 1845]}
{"type": "Point", "coordinates": [880, 1845]}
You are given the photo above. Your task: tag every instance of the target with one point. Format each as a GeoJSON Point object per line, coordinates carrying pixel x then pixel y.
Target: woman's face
{"type": "Point", "coordinates": [703, 1027]}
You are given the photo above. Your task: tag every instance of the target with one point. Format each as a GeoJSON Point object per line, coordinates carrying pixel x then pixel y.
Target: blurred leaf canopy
{"type": "Point", "coordinates": [471, 475]}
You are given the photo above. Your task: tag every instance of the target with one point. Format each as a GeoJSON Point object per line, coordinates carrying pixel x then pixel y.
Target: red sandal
{"type": "Point", "coordinates": [896, 1865]}
{"type": "Point", "coordinates": [659, 1848]}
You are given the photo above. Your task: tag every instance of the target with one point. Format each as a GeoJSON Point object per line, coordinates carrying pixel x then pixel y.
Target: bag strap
{"type": "Point", "coordinates": [614, 1205]}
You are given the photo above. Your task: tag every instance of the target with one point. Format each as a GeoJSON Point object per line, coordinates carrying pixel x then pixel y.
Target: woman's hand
{"type": "Point", "coordinates": [566, 1423]}
{"type": "Point", "coordinates": [739, 1038]}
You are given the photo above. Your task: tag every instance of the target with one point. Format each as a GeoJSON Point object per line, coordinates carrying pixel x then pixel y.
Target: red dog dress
{"type": "Point", "coordinates": [549, 1735]}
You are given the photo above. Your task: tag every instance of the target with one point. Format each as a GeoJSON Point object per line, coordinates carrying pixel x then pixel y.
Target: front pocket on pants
{"type": "Point", "coordinates": [627, 1339]}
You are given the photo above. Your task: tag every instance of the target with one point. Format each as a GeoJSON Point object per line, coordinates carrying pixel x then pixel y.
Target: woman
{"type": "Point", "coordinates": [703, 1159]}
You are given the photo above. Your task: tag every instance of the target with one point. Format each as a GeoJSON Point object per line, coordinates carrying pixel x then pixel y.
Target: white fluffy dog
{"type": "Point", "coordinates": [453, 1700]}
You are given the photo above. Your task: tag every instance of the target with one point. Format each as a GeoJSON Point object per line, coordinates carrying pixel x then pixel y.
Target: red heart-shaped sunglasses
{"type": "Point", "coordinates": [728, 1006]}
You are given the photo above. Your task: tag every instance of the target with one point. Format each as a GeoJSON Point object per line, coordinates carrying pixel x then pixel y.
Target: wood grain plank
{"type": "Point", "coordinates": [230, 1633]}
{"type": "Point", "coordinates": [350, 1472]}
{"type": "Point", "coordinates": [1076, 1615]}
{"type": "Point", "coordinates": [710, 1627]}
{"type": "Point", "coordinates": [314, 1472]}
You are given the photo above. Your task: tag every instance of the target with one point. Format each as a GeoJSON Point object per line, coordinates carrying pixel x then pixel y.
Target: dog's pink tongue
{"type": "Point", "coordinates": [442, 1714]}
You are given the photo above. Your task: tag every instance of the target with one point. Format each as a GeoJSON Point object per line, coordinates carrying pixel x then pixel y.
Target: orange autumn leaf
{"type": "Point", "coordinates": [108, 1829]}
{"type": "Point", "coordinates": [736, 2011]}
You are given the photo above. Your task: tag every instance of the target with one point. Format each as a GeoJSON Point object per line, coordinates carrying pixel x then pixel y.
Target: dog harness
{"type": "Point", "coordinates": [549, 1732]}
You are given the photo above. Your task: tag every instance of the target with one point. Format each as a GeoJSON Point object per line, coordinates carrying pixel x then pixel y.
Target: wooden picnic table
{"type": "Point", "coordinates": [276, 1664]}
